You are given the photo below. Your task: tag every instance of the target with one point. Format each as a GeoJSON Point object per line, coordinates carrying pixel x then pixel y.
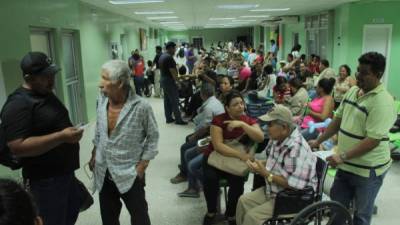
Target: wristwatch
{"type": "Point", "coordinates": [343, 156]}
{"type": "Point", "coordinates": [270, 178]}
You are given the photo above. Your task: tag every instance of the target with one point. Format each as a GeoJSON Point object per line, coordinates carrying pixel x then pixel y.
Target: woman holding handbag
{"type": "Point", "coordinates": [234, 126]}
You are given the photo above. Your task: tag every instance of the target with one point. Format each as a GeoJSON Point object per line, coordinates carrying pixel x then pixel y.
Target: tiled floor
{"type": "Point", "coordinates": [166, 208]}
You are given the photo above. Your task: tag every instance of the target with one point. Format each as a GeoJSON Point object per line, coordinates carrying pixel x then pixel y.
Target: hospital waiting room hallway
{"type": "Point", "coordinates": [166, 208]}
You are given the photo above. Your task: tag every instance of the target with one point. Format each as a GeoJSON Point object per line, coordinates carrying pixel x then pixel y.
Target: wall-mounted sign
{"type": "Point", "coordinates": [378, 20]}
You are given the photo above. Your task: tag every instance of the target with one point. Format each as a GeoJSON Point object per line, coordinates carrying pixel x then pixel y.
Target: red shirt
{"type": "Point", "coordinates": [227, 135]}
{"type": "Point", "coordinates": [139, 68]}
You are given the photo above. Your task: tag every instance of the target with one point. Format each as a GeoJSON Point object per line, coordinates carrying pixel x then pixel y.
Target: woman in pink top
{"type": "Point", "coordinates": [320, 108]}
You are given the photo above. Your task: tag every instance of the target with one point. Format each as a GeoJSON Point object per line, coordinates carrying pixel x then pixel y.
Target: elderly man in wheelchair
{"type": "Point", "coordinates": [290, 166]}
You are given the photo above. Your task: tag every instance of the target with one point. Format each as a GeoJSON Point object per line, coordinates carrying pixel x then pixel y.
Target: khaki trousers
{"type": "Point", "coordinates": [254, 208]}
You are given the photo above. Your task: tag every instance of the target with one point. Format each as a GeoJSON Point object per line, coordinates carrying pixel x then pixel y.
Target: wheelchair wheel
{"type": "Point", "coordinates": [326, 212]}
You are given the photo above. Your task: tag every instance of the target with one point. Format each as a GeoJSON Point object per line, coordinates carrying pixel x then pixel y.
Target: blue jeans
{"type": "Point", "coordinates": [363, 190]}
{"type": "Point", "coordinates": [194, 161]}
{"type": "Point", "coordinates": [186, 146]}
{"type": "Point", "coordinates": [139, 84]}
{"type": "Point", "coordinates": [58, 199]}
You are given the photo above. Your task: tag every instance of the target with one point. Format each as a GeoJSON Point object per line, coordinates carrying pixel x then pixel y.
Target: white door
{"type": "Point", "coordinates": [378, 38]}
{"type": "Point", "coordinates": [72, 78]}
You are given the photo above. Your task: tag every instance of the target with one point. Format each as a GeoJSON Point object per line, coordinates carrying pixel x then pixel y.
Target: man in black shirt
{"type": "Point", "coordinates": [39, 131]}
{"type": "Point", "coordinates": [169, 76]}
{"type": "Point", "coordinates": [157, 75]}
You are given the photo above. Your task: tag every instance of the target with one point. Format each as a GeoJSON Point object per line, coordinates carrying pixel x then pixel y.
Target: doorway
{"type": "Point", "coordinates": [198, 42]}
{"type": "Point", "coordinates": [378, 38]}
{"type": "Point", "coordinates": [75, 102]}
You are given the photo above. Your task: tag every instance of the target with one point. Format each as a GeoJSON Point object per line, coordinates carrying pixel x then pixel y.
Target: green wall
{"type": "Point", "coordinates": [347, 35]}
{"type": "Point", "coordinates": [97, 32]}
{"type": "Point", "coordinates": [95, 29]}
{"type": "Point", "coordinates": [389, 12]}
{"type": "Point", "coordinates": [211, 35]}
{"type": "Point", "coordinates": [287, 36]}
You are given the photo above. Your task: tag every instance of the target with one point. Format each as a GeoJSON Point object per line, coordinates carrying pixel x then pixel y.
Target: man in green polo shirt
{"type": "Point", "coordinates": [362, 122]}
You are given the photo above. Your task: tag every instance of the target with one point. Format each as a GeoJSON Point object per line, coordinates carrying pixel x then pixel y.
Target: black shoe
{"type": "Point", "coordinates": [209, 220]}
{"type": "Point", "coordinates": [181, 123]}
{"type": "Point", "coordinates": [232, 222]}
{"type": "Point", "coordinates": [189, 193]}
{"type": "Point", "coordinates": [170, 121]}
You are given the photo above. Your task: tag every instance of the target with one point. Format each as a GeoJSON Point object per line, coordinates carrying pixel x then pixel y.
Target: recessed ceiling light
{"type": "Point", "coordinates": [269, 10]}
{"type": "Point", "coordinates": [124, 2]}
{"type": "Point", "coordinates": [255, 16]}
{"type": "Point", "coordinates": [238, 6]}
{"type": "Point", "coordinates": [162, 17]}
{"type": "Point", "coordinates": [232, 18]}
{"type": "Point", "coordinates": [154, 12]}
{"type": "Point", "coordinates": [171, 22]}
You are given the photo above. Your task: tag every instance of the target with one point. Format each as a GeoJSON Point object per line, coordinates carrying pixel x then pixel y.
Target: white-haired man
{"type": "Point", "coordinates": [125, 141]}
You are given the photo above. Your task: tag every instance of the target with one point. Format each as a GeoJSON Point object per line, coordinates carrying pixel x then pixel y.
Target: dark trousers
{"type": "Point", "coordinates": [194, 103]}
{"type": "Point", "coordinates": [171, 102]}
{"type": "Point", "coordinates": [58, 199]}
{"type": "Point", "coordinates": [139, 84]}
{"type": "Point", "coordinates": [212, 177]}
{"type": "Point", "coordinates": [134, 199]}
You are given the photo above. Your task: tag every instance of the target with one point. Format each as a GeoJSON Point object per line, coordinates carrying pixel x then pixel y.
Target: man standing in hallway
{"type": "Point", "coordinates": [169, 76]}
{"type": "Point", "coordinates": [363, 120]}
{"type": "Point", "coordinates": [125, 141]}
{"type": "Point", "coordinates": [157, 74]}
{"type": "Point", "coordinates": [39, 131]}
{"type": "Point", "coordinates": [190, 58]}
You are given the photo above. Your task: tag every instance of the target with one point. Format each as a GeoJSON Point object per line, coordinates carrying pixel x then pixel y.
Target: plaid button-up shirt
{"type": "Point", "coordinates": [133, 139]}
{"type": "Point", "coordinates": [292, 159]}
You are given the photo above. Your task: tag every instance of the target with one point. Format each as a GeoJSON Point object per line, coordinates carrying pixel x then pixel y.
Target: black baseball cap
{"type": "Point", "coordinates": [38, 63]}
{"type": "Point", "coordinates": [170, 44]}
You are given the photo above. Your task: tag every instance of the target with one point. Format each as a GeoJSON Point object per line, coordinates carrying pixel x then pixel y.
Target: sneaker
{"type": "Point", "coordinates": [189, 193]}
{"type": "Point", "coordinates": [179, 178]}
{"type": "Point", "coordinates": [209, 220]}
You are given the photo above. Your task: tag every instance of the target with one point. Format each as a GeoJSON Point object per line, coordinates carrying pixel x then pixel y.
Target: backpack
{"type": "Point", "coordinates": [7, 158]}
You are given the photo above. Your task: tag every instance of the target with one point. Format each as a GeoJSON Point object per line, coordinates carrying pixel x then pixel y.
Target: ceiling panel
{"type": "Point", "coordinates": [197, 13]}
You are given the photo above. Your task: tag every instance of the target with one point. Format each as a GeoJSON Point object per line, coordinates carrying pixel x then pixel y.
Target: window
{"type": "Point", "coordinates": [317, 34]}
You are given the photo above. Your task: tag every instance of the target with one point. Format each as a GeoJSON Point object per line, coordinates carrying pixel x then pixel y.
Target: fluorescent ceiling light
{"type": "Point", "coordinates": [216, 25]}
{"type": "Point", "coordinates": [154, 12]}
{"type": "Point", "coordinates": [269, 10]}
{"type": "Point", "coordinates": [124, 2]}
{"type": "Point", "coordinates": [238, 6]}
{"type": "Point", "coordinates": [171, 22]}
{"type": "Point", "coordinates": [255, 16]}
{"type": "Point", "coordinates": [162, 17]}
{"type": "Point", "coordinates": [244, 20]}
{"type": "Point", "coordinates": [232, 18]}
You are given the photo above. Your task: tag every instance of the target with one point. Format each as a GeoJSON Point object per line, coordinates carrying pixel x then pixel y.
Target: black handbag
{"type": "Point", "coordinates": [290, 201]}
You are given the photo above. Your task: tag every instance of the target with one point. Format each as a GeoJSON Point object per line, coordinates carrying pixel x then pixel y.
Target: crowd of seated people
{"type": "Point", "coordinates": [306, 90]}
